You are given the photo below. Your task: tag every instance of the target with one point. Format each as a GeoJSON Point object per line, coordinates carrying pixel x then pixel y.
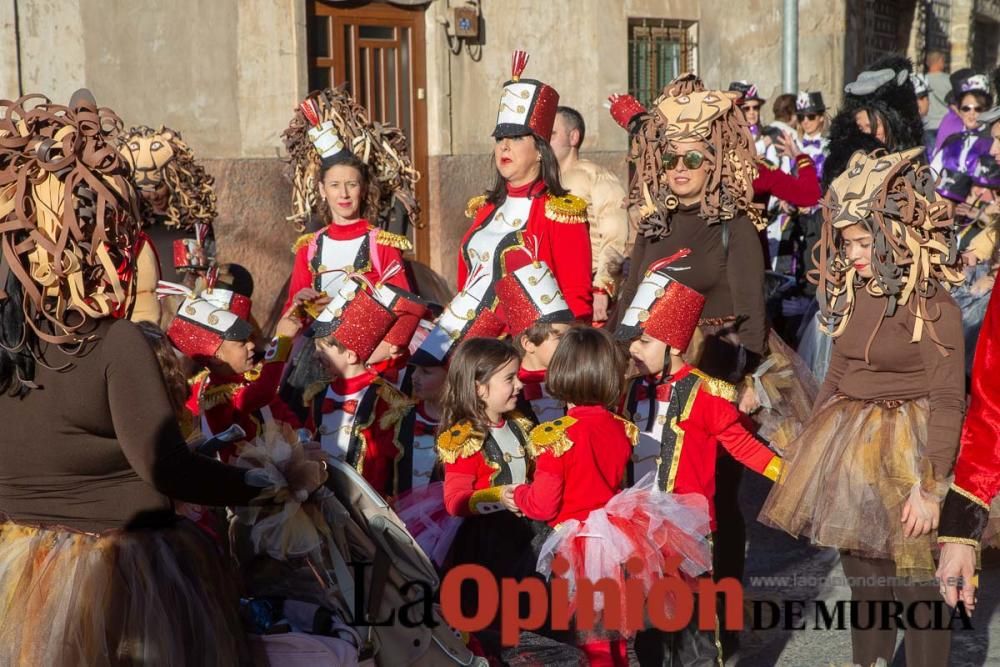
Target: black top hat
{"type": "Point", "coordinates": [747, 90]}
{"type": "Point", "coordinates": [811, 102]}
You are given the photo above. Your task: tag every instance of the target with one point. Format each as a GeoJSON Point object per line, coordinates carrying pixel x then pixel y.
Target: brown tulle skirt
{"type": "Point", "coordinates": [148, 597]}
{"type": "Point", "coordinates": [786, 390]}
{"type": "Point", "coordinates": [849, 475]}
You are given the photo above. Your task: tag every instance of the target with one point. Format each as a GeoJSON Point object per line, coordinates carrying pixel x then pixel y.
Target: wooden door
{"type": "Point", "coordinates": [377, 49]}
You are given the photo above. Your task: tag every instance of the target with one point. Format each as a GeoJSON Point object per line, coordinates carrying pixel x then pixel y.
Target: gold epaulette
{"type": "Point", "coordinates": [567, 208]}
{"type": "Point", "coordinates": [631, 430]}
{"type": "Point", "coordinates": [397, 241]}
{"type": "Point", "coordinates": [717, 387]}
{"type": "Point", "coordinates": [302, 242]}
{"type": "Point", "coordinates": [551, 437]}
{"type": "Point", "coordinates": [198, 377]}
{"type": "Point", "coordinates": [761, 162]}
{"type": "Point", "coordinates": [459, 442]}
{"type": "Point", "coordinates": [398, 404]}
{"type": "Point", "coordinates": [474, 205]}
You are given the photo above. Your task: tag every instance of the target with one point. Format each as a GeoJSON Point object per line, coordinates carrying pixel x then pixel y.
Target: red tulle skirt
{"type": "Point", "coordinates": [666, 532]}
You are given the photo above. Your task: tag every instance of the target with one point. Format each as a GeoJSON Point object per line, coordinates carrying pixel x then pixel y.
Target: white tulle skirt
{"type": "Point", "coordinates": [666, 532]}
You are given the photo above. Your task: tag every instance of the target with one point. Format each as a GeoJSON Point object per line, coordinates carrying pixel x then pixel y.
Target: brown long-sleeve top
{"type": "Point", "coordinates": [99, 441]}
{"type": "Point", "coordinates": [901, 370]}
{"type": "Point", "coordinates": [732, 283]}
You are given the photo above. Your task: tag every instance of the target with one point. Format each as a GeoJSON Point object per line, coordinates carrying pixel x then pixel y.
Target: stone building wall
{"type": "Point", "coordinates": [228, 73]}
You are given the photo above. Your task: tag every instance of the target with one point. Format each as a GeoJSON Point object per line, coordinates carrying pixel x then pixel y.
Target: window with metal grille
{"type": "Point", "coordinates": [658, 51]}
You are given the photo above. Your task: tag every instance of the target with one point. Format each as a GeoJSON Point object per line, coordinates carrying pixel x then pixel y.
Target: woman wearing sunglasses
{"type": "Point", "coordinates": [693, 188]}
{"type": "Point", "coordinates": [951, 161]}
{"type": "Point", "coordinates": [527, 208]}
{"type": "Point", "coordinates": [810, 110]}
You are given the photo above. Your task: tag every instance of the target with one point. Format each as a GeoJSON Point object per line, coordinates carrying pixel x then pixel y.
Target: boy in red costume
{"type": "Point", "coordinates": [213, 330]}
{"type": "Point", "coordinates": [537, 316]}
{"type": "Point", "coordinates": [354, 415]}
{"type": "Point", "coordinates": [682, 415]}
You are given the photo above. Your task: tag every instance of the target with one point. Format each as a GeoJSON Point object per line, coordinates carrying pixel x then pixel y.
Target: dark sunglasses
{"type": "Point", "coordinates": [810, 116]}
{"type": "Point", "coordinates": [751, 107]}
{"type": "Point", "coordinates": [692, 159]}
{"type": "Point", "coordinates": [967, 109]}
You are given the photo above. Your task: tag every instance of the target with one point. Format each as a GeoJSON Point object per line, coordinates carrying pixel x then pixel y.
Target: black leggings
{"type": "Point", "coordinates": [924, 648]}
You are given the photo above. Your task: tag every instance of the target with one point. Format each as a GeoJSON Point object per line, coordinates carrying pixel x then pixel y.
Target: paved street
{"type": "Point", "coordinates": [775, 554]}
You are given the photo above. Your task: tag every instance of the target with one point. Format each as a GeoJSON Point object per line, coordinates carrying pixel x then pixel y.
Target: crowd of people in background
{"type": "Point", "coordinates": [801, 297]}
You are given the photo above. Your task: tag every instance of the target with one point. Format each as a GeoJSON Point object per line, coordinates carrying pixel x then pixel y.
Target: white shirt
{"type": "Point", "coordinates": [513, 452]}
{"type": "Point", "coordinates": [337, 427]}
{"type": "Point", "coordinates": [646, 454]}
{"type": "Point", "coordinates": [484, 244]}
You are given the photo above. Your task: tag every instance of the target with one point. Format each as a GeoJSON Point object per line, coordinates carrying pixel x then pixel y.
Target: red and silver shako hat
{"type": "Point", "coordinates": [663, 308]}
{"type": "Point", "coordinates": [530, 295]}
{"type": "Point", "coordinates": [464, 317]}
{"type": "Point", "coordinates": [322, 134]}
{"type": "Point", "coordinates": [408, 307]}
{"type": "Point", "coordinates": [201, 326]}
{"type": "Point", "coordinates": [527, 106]}
{"type": "Point", "coordinates": [355, 319]}
{"type": "Point", "coordinates": [224, 297]}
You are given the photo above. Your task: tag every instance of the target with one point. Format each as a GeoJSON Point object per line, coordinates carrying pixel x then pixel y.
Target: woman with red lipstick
{"type": "Point", "coordinates": [349, 243]}
{"type": "Point", "coordinates": [527, 206]}
{"type": "Point", "coordinates": [869, 471]}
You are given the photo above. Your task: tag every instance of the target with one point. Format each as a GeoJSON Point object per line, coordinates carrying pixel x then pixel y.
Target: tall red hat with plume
{"type": "Point", "coordinates": [527, 106]}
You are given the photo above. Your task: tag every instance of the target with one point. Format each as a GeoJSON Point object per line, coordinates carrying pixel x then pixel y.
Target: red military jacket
{"type": "Point", "coordinates": [221, 402]}
{"type": "Point", "coordinates": [349, 248]}
{"type": "Point", "coordinates": [477, 465]}
{"type": "Point", "coordinates": [580, 463]}
{"type": "Point", "coordinates": [977, 471]}
{"type": "Point", "coordinates": [681, 420]}
{"type": "Point", "coordinates": [801, 190]}
{"type": "Point", "coordinates": [556, 226]}
{"type": "Point", "coordinates": [354, 420]}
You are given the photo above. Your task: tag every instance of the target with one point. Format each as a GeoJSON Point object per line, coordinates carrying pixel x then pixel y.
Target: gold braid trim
{"type": "Point", "coordinates": [773, 469]}
{"type": "Point", "coordinates": [521, 422]}
{"type": "Point", "coordinates": [476, 203]}
{"type": "Point", "coordinates": [567, 208]}
{"type": "Point", "coordinates": [551, 436]}
{"type": "Point", "coordinates": [398, 404]}
{"type": "Point", "coordinates": [958, 540]}
{"type": "Point", "coordinates": [970, 496]}
{"type": "Point", "coordinates": [199, 377]}
{"type": "Point", "coordinates": [631, 430]}
{"type": "Point", "coordinates": [393, 240]}
{"type": "Point", "coordinates": [717, 387]}
{"type": "Point", "coordinates": [460, 441]}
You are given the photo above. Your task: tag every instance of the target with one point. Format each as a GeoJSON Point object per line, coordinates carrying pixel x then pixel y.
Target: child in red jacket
{"type": "Point", "coordinates": [580, 464]}
{"type": "Point", "coordinates": [213, 330]}
{"type": "Point", "coordinates": [537, 316]}
{"type": "Point", "coordinates": [682, 415]}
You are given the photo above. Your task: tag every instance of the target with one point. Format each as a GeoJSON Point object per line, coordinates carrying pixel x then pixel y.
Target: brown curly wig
{"type": "Point", "coordinates": [162, 160]}
{"type": "Point", "coordinates": [69, 219]}
{"type": "Point", "coordinates": [382, 147]}
{"type": "Point", "coordinates": [687, 111]}
{"type": "Point", "coordinates": [914, 250]}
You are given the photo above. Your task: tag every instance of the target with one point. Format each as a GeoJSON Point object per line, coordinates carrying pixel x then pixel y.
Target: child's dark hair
{"type": "Point", "coordinates": [475, 361]}
{"type": "Point", "coordinates": [588, 368]}
{"type": "Point", "coordinates": [173, 373]}
{"type": "Point", "coordinates": [536, 334]}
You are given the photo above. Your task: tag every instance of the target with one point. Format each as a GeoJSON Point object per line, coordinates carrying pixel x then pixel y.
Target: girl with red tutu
{"type": "Point", "coordinates": [581, 461]}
